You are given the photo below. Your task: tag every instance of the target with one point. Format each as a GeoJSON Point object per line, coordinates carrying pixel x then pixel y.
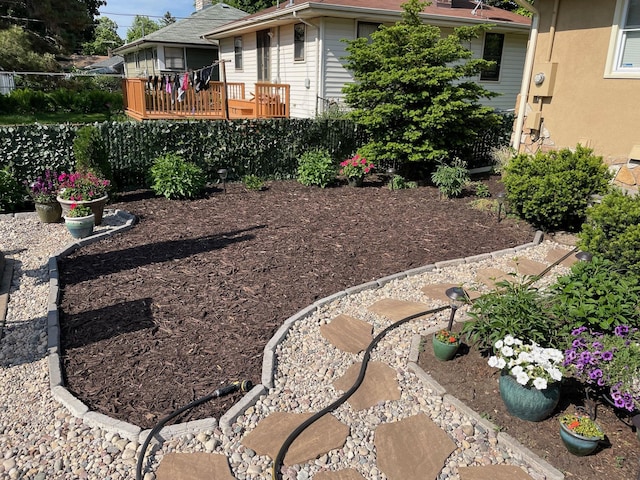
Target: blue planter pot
{"type": "Point", "coordinates": [80, 227]}
{"type": "Point", "coordinates": [444, 351]}
{"type": "Point", "coordinates": [528, 403]}
{"type": "Point", "coordinates": [577, 444]}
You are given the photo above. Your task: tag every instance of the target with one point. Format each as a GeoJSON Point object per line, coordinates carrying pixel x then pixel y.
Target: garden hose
{"type": "Point", "coordinates": [243, 386]}
{"type": "Point", "coordinates": [365, 360]}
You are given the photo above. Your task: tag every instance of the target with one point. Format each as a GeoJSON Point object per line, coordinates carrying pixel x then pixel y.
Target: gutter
{"type": "Point", "coordinates": [526, 74]}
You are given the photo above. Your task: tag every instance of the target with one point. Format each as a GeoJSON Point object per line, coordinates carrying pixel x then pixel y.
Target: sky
{"type": "Point", "coordinates": [123, 11]}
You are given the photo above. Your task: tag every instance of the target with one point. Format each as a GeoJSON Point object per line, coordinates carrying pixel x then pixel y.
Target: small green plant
{"type": "Point", "coordinates": [398, 182]}
{"type": "Point", "coordinates": [612, 230]}
{"type": "Point", "coordinates": [482, 190]}
{"type": "Point", "coordinates": [619, 461]}
{"type": "Point", "coordinates": [11, 192]}
{"type": "Point", "coordinates": [252, 182]}
{"type": "Point", "coordinates": [173, 177]}
{"type": "Point", "coordinates": [77, 211]}
{"type": "Point", "coordinates": [501, 157]}
{"type": "Point", "coordinates": [512, 308]}
{"type": "Point", "coordinates": [552, 190]}
{"type": "Point", "coordinates": [451, 179]}
{"type": "Point", "coordinates": [316, 168]}
{"type": "Point", "coordinates": [582, 425]}
{"type": "Point", "coordinates": [596, 294]}
{"type": "Point", "coordinates": [90, 152]}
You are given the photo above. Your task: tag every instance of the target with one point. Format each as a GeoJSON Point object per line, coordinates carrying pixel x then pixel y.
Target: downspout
{"type": "Point", "coordinates": [528, 68]}
{"type": "Point", "coordinates": [317, 52]}
{"type": "Point", "coordinates": [278, 54]}
{"type": "Point", "coordinates": [552, 29]}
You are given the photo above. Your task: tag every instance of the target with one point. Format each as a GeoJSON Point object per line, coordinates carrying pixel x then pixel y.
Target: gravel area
{"type": "Point", "coordinates": [40, 439]}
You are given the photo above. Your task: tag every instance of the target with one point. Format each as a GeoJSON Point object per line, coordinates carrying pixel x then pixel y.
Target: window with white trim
{"type": "Point", "coordinates": [493, 46]}
{"type": "Point", "coordinates": [299, 33]}
{"type": "Point", "coordinates": [173, 58]}
{"type": "Point", "coordinates": [627, 56]}
{"type": "Point", "coordinates": [237, 52]}
{"type": "Point", "coordinates": [365, 29]}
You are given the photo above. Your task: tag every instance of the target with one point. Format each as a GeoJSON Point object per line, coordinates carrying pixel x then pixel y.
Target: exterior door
{"type": "Point", "coordinates": [263, 43]}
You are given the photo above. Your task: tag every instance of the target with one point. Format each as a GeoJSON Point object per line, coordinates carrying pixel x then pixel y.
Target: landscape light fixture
{"type": "Point", "coordinates": [584, 256]}
{"type": "Point", "coordinates": [391, 171]}
{"type": "Point", "coordinates": [222, 173]}
{"type": "Point", "coordinates": [500, 199]}
{"type": "Point", "coordinates": [457, 298]}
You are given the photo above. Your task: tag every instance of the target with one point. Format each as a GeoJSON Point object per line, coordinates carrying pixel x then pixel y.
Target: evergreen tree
{"type": "Point", "coordinates": [167, 19]}
{"type": "Point", "coordinates": [140, 27]}
{"type": "Point", "coordinates": [412, 91]}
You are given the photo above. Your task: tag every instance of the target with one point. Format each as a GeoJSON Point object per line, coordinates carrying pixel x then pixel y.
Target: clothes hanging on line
{"type": "Point", "coordinates": [178, 84]}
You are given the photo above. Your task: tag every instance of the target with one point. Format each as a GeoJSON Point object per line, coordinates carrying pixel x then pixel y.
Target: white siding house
{"type": "Point", "coordinates": [268, 39]}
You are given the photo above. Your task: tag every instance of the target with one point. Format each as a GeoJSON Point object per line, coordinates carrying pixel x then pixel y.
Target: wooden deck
{"type": "Point", "coordinates": [220, 101]}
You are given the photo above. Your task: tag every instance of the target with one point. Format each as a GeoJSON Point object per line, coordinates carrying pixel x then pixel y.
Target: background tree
{"type": "Point", "coordinates": [251, 6]}
{"type": "Point", "coordinates": [410, 92]}
{"type": "Point", "coordinates": [106, 37]}
{"type": "Point", "coordinates": [510, 5]}
{"type": "Point", "coordinates": [167, 19]}
{"type": "Point", "coordinates": [16, 53]}
{"type": "Point", "coordinates": [140, 27]}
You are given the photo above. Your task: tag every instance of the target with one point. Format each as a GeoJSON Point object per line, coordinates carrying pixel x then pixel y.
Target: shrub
{"type": "Point", "coordinates": [398, 182]}
{"type": "Point", "coordinates": [90, 151]}
{"type": "Point", "coordinates": [252, 182]}
{"type": "Point", "coordinates": [451, 179]}
{"type": "Point", "coordinates": [598, 296]}
{"type": "Point", "coordinates": [316, 168]}
{"type": "Point", "coordinates": [11, 192]}
{"type": "Point", "coordinates": [482, 190]}
{"type": "Point", "coordinates": [513, 308]}
{"type": "Point", "coordinates": [551, 190]}
{"type": "Point", "coordinates": [173, 177]}
{"type": "Point", "coordinates": [612, 230]}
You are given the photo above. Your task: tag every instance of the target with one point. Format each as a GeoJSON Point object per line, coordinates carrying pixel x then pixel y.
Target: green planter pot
{"type": "Point", "coordinates": [444, 351]}
{"type": "Point", "coordinates": [528, 403]}
{"type": "Point", "coordinates": [96, 206]}
{"type": "Point", "coordinates": [578, 444]}
{"type": "Point", "coordinates": [50, 212]}
{"type": "Point", "coordinates": [80, 227]}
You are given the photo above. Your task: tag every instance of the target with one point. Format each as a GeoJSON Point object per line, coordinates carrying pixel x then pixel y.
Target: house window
{"type": "Point", "coordinates": [237, 52]}
{"type": "Point", "coordinates": [493, 43]}
{"type": "Point", "coordinates": [628, 41]}
{"type": "Point", "coordinates": [136, 59]}
{"type": "Point", "coordinates": [299, 31]}
{"type": "Point", "coordinates": [174, 58]}
{"type": "Point", "coordinates": [365, 29]}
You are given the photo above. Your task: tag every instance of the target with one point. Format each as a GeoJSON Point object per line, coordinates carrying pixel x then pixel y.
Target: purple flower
{"type": "Point", "coordinates": [595, 374]}
{"type": "Point", "coordinates": [578, 343]}
{"type": "Point", "coordinates": [578, 331]}
{"type": "Point", "coordinates": [607, 356]}
{"type": "Point", "coordinates": [597, 345]}
{"type": "Point", "coordinates": [621, 330]}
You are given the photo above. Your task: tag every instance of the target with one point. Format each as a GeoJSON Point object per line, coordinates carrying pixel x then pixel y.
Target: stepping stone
{"type": "Point", "coordinates": [348, 334]}
{"type": "Point", "coordinates": [194, 466]}
{"type": "Point", "coordinates": [412, 449]}
{"type": "Point", "coordinates": [397, 309]}
{"type": "Point", "coordinates": [525, 266]}
{"type": "Point", "coordinates": [490, 276]}
{"type": "Point", "coordinates": [380, 384]}
{"type": "Point", "coordinates": [557, 253]}
{"type": "Point", "coordinates": [348, 474]}
{"type": "Point", "coordinates": [437, 291]}
{"type": "Point", "coordinates": [322, 436]}
{"type": "Point", "coordinates": [493, 472]}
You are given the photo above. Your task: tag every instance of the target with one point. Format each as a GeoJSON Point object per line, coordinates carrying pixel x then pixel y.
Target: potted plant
{"type": "Point", "coordinates": [530, 377]}
{"type": "Point", "coordinates": [445, 344]}
{"type": "Point", "coordinates": [580, 434]}
{"type": "Point", "coordinates": [355, 168]}
{"type": "Point", "coordinates": [79, 220]}
{"type": "Point", "coordinates": [83, 188]}
{"type": "Point", "coordinates": [43, 192]}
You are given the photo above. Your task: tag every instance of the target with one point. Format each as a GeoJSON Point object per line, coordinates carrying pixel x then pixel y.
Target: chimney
{"type": "Point", "coordinates": [444, 3]}
{"type": "Point", "coordinates": [200, 4]}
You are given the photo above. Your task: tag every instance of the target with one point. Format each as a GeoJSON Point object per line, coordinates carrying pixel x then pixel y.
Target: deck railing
{"type": "Point", "coordinates": [142, 101]}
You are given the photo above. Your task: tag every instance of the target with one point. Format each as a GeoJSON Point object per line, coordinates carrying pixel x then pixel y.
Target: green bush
{"type": "Point", "coordinates": [451, 179]}
{"type": "Point", "coordinates": [11, 192]}
{"type": "Point", "coordinates": [173, 177]}
{"type": "Point", "coordinates": [482, 190]}
{"type": "Point", "coordinates": [513, 308]}
{"type": "Point", "coordinates": [315, 167]}
{"type": "Point", "coordinates": [398, 182]}
{"type": "Point", "coordinates": [552, 190]}
{"type": "Point", "coordinates": [597, 295]}
{"type": "Point", "coordinates": [252, 182]}
{"type": "Point", "coordinates": [90, 152]}
{"type": "Point", "coordinates": [612, 230]}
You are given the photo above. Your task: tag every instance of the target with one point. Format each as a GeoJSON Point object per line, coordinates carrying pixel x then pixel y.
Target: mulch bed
{"type": "Point", "coordinates": [186, 301]}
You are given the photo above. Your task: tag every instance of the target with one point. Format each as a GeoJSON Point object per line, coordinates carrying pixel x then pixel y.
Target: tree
{"type": "Point", "coordinates": [251, 6]}
{"type": "Point", "coordinates": [141, 26]}
{"type": "Point", "coordinates": [510, 5]}
{"type": "Point", "coordinates": [16, 53]}
{"type": "Point", "coordinates": [106, 37]}
{"type": "Point", "coordinates": [168, 19]}
{"type": "Point", "coordinates": [412, 91]}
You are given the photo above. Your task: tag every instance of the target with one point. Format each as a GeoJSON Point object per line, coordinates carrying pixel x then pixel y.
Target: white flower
{"type": "Point", "coordinates": [555, 373]}
{"type": "Point", "coordinates": [509, 340]}
{"type": "Point", "coordinates": [522, 378]}
{"type": "Point", "coordinates": [540, 383]}
{"type": "Point", "coordinates": [499, 344]}
{"type": "Point", "coordinates": [501, 363]}
{"type": "Point", "coordinates": [507, 351]}
{"type": "Point", "coordinates": [493, 361]}
{"type": "Point", "coordinates": [517, 370]}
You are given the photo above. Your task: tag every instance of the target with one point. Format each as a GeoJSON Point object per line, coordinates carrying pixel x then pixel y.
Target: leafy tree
{"type": "Point", "coordinates": [16, 52]}
{"type": "Point", "coordinates": [251, 6]}
{"type": "Point", "coordinates": [140, 27]}
{"type": "Point", "coordinates": [168, 19]}
{"type": "Point", "coordinates": [410, 92]}
{"type": "Point", "coordinates": [510, 5]}
{"type": "Point", "coordinates": [106, 37]}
